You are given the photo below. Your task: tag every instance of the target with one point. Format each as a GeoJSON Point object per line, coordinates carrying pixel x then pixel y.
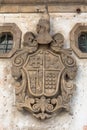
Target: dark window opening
{"type": "Point", "coordinates": [82, 42]}
{"type": "Point", "coordinates": [6, 42]}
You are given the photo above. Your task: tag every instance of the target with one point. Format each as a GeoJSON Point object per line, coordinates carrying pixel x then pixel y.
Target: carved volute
{"type": "Point", "coordinates": [43, 71]}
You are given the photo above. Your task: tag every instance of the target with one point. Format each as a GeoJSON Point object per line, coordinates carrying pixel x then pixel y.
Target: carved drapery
{"type": "Point", "coordinates": [43, 71]}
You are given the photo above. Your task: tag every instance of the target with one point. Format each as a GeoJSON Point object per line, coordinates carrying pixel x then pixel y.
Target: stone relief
{"type": "Point", "coordinates": [43, 71]}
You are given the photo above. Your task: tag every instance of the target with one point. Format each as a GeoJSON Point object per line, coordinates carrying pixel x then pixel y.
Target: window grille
{"type": "Point", "coordinates": [6, 42]}
{"type": "Point", "coordinates": [82, 42]}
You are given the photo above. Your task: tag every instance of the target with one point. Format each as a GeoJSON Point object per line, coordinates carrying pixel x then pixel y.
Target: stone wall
{"type": "Point", "coordinates": [10, 117]}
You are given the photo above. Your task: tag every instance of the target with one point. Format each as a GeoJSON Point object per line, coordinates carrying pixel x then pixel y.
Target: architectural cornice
{"type": "Point", "coordinates": [40, 1]}
{"type": "Point", "coordinates": [34, 6]}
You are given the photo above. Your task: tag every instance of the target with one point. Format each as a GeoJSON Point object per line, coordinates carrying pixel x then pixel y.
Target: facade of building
{"type": "Point", "coordinates": [68, 18]}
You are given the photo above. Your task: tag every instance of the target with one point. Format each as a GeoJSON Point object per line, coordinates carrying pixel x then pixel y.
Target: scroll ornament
{"type": "Point", "coordinates": [43, 71]}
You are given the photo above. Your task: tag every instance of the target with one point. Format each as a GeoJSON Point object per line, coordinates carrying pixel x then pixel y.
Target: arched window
{"type": "Point", "coordinates": [6, 42]}
{"type": "Point", "coordinates": [82, 42]}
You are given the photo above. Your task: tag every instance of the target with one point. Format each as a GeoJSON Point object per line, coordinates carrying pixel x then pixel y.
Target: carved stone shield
{"type": "Point", "coordinates": [43, 70]}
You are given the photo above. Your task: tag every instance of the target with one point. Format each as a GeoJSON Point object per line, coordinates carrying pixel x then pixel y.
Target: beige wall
{"type": "Point", "coordinates": [10, 118]}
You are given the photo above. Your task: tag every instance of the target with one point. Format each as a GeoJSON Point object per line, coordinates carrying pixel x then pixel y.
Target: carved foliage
{"type": "Point", "coordinates": [43, 71]}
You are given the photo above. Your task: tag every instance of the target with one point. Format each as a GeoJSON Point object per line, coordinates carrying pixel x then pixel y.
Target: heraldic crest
{"type": "Point", "coordinates": [43, 71]}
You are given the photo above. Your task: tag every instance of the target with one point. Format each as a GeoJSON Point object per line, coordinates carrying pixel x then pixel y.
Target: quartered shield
{"type": "Point", "coordinates": [43, 70]}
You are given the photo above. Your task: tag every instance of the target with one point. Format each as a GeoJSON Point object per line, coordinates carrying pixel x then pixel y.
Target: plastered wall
{"type": "Point", "coordinates": [10, 117]}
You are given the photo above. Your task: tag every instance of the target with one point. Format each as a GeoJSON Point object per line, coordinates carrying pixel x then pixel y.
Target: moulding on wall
{"type": "Point", "coordinates": [34, 6]}
{"type": "Point", "coordinates": [58, 8]}
{"type": "Point", "coordinates": [15, 31]}
{"type": "Point", "coordinates": [41, 1]}
{"type": "Point", "coordinates": [74, 34]}
{"type": "Point", "coordinates": [43, 71]}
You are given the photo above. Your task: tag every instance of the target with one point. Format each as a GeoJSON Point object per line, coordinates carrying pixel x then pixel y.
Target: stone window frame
{"type": "Point", "coordinates": [74, 34]}
{"type": "Point", "coordinates": [16, 32]}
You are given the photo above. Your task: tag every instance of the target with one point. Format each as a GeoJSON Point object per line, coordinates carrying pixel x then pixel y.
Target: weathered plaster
{"type": "Point", "coordinates": [10, 118]}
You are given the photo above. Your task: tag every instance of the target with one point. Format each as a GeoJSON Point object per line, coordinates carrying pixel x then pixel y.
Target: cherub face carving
{"type": "Point", "coordinates": [28, 39]}
{"type": "Point", "coordinates": [58, 40]}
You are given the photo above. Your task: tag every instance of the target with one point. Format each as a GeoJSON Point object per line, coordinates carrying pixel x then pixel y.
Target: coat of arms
{"type": "Point", "coordinates": [43, 71]}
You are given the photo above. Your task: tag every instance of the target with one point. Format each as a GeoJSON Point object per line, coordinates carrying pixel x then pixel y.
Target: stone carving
{"type": "Point", "coordinates": [43, 71]}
